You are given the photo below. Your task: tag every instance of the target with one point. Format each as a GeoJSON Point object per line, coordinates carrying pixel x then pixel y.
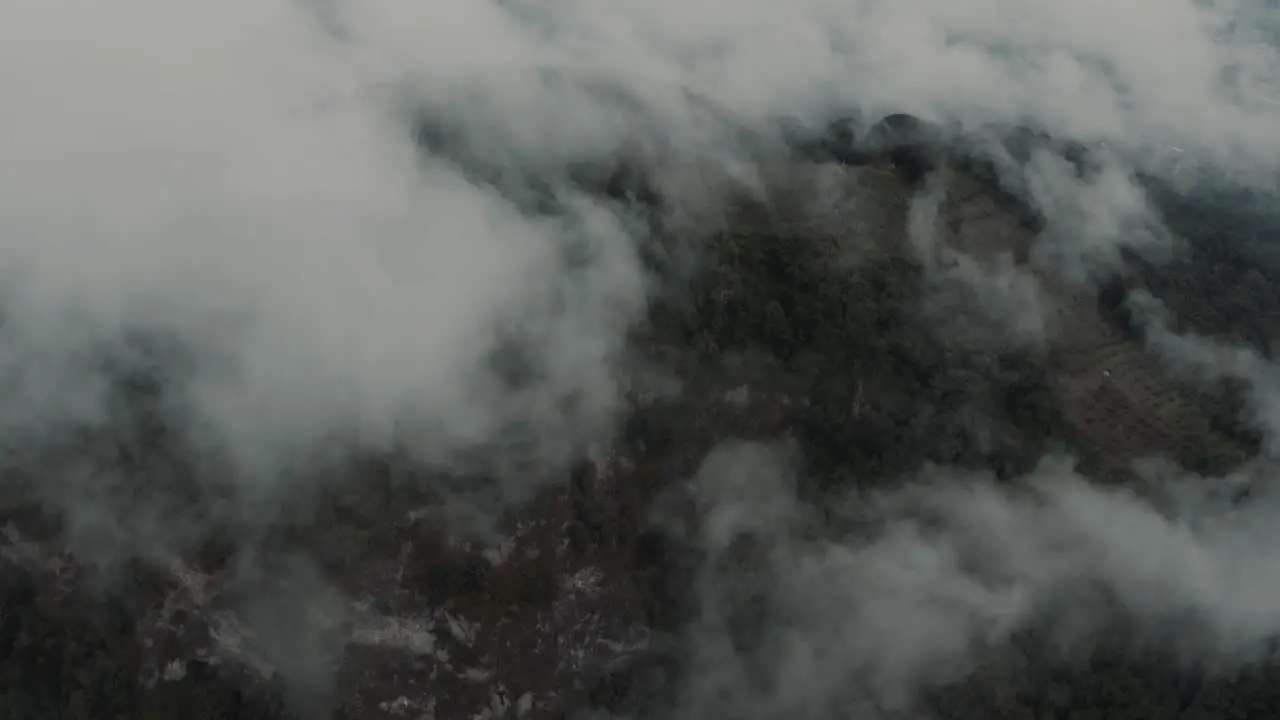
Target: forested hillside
{"type": "Point", "coordinates": [778, 327]}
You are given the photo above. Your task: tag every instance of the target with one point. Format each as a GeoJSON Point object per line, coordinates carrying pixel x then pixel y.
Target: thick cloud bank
{"type": "Point", "coordinates": [938, 579]}
{"type": "Point", "coordinates": [338, 225]}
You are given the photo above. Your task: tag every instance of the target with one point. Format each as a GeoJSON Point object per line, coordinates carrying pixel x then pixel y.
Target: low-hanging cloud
{"type": "Point", "coordinates": [362, 226]}
{"type": "Point", "coordinates": [245, 177]}
{"type": "Point", "coordinates": [946, 574]}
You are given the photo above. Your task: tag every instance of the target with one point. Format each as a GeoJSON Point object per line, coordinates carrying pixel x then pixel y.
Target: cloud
{"type": "Point", "coordinates": [945, 575]}
{"type": "Point", "coordinates": [244, 176]}
{"type": "Point", "coordinates": [253, 195]}
{"type": "Point", "coordinates": [362, 226]}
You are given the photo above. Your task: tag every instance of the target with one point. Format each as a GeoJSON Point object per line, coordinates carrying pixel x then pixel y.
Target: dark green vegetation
{"type": "Point", "coordinates": [834, 352]}
{"type": "Point", "coordinates": [69, 654]}
{"type": "Point", "coordinates": [884, 392]}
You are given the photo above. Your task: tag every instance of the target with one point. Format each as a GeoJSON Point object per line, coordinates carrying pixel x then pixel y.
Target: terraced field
{"type": "Point", "coordinates": [1119, 400]}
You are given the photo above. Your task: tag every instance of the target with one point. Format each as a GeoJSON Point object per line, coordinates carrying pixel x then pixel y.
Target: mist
{"type": "Point", "coordinates": [950, 573]}
{"type": "Point", "coordinates": [325, 229]}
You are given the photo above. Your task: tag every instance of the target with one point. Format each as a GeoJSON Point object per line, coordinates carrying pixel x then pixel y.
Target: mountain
{"type": "Point", "coordinates": [866, 356]}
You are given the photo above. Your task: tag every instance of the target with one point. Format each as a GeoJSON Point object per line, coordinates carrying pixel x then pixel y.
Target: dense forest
{"type": "Point", "coordinates": [775, 330]}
